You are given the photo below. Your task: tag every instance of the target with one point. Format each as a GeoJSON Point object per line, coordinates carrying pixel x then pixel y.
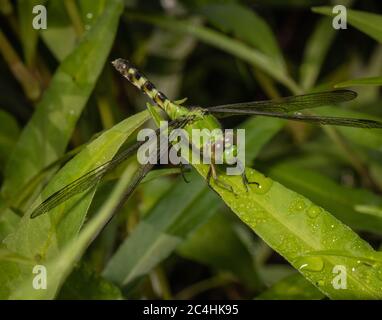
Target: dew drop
{"type": "Point", "coordinates": [263, 186]}
{"type": "Point", "coordinates": [314, 211]}
{"type": "Point", "coordinates": [313, 264]}
{"type": "Point", "coordinates": [297, 205]}
{"type": "Point", "coordinates": [320, 283]}
{"type": "Point", "coordinates": [89, 15]}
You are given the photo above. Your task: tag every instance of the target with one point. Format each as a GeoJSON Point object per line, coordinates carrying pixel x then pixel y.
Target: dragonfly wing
{"type": "Point", "coordinates": [142, 171]}
{"type": "Point", "coordinates": [335, 121]}
{"type": "Point", "coordinates": [92, 178]}
{"type": "Point", "coordinates": [82, 184]}
{"type": "Point", "coordinates": [293, 103]}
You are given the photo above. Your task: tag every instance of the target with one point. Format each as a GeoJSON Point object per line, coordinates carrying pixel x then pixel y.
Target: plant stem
{"type": "Point", "coordinates": [204, 285]}
{"type": "Point", "coordinates": [355, 161]}
{"type": "Point", "coordinates": [27, 80]}
{"type": "Point", "coordinates": [75, 17]}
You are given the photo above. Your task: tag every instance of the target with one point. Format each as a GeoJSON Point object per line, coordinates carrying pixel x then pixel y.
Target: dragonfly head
{"type": "Point", "coordinates": [121, 65]}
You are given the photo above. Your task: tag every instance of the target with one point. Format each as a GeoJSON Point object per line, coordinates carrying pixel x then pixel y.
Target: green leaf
{"type": "Point", "coordinates": [60, 36]}
{"type": "Point", "coordinates": [217, 245]}
{"type": "Point", "coordinates": [84, 284]}
{"type": "Point", "coordinates": [59, 266]}
{"type": "Point", "coordinates": [294, 287]}
{"type": "Point", "coordinates": [223, 42]}
{"type": "Point", "coordinates": [370, 81]}
{"type": "Point", "coordinates": [247, 26]}
{"type": "Point", "coordinates": [8, 223]}
{"type": "Point", "coordinates": [368, 23]}
{"type": "Point", "coordinates": [369, 138]}
{"type": "Point", "coordinates": [294, 226]}
{"type": "Point", "coordinates": [9, 133]}
{"type": "Point", "coordinates": [180, 211]}
{"type": "Point", "coordinates": [46, 136]}
{"type": "Point", "coordinates": [28, 34]}
{"type": "Point", "coordinates": [315, 52]}
{"type": "Point", "coordinates": [43, 239]}
{"type": "Point", "coordinates": [339, 200]}
{"type": "Point", "coordinates": [191, 206]}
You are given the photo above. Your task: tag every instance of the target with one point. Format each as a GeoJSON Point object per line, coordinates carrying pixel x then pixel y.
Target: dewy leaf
{"type": "Point", "coordinates": [47, 134]}
{"type": "Point", "coordinates": [247, 26]}
{"type": "Point", "coordinates": [42, 239]}
{"type": "Point", "coordinates": [371, 81]}
{"type": "Point", "coordinates": [294, 226]}
{"type": "Point", "coordinates": [369, 23]}
{"type": "Point", "coordinates": [339, 200]}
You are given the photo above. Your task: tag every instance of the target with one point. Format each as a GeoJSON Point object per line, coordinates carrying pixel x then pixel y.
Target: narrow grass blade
{"type": "Point", "coordinates": [315, 53]}
{"type": "Point", "coordinates": [370, 81]}
{"type": "Point", "coordinates": [45, 137]}
{"type": "Point", "coordinates": [43, 239]}
{"type": "Point", "coordinates": [221, 41]}
{"type": "Point", "coordinates": [246, 25]}
{"type": "Point", "coordinates": [367, 22]}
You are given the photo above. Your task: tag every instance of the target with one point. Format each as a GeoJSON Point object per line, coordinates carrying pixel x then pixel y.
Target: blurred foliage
{"type": "Point", "coordinates": [64, 111]}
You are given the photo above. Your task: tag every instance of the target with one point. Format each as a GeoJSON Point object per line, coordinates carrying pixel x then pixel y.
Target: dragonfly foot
{"type": "Point", "coordinates": [246, 182]}
{"type": "Point", "coordinates": [183, 170]}
{"type": "Point", "coordinates": [212, 174]}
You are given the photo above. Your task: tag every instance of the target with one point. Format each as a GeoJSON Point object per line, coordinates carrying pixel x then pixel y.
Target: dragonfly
{"type": "Point", "coordinates": [189, 118]}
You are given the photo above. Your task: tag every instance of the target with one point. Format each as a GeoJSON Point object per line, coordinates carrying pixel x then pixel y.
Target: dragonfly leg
{"type": "Point", "coordinates": [212, 173]}
{"type": "Point", "coordinates": [246, 182]}
{"type": "Point", "coordinates": [183, 169]}
{"type": "Point", "coordinates": [244, 177]}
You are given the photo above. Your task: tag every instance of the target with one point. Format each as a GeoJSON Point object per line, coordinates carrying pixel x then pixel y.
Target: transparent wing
{"type": "Point", "coordinates": [335, 121]}
{"type": "Point", "coordinates": [293, 103]}
{"type": "Point", "coordinates": [92, 177]}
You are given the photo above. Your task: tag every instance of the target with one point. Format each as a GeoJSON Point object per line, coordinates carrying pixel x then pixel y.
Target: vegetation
{"type": "Point", "coordinates": [65, 110]}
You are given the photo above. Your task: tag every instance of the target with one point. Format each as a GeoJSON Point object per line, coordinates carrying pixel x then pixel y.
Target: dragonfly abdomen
{"type": "Point", "coordinates": [141, 82]}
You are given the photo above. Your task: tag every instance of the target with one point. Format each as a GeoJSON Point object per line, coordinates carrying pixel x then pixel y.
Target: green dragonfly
{"type": "Point", "coordinates": [205, 118]}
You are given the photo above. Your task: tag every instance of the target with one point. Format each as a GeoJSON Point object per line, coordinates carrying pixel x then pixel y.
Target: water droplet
{"type": "Point", "coordinates": [264, 184]}
{"type": "Point", "coordinates": [314, 211]}
{"type": "Point", "coordinates": [297, 205]}
{"type": "Point", "coordinates": [89, 15]}
{"type": "Point", "coordinates": [87, 27]}
{"type": "Point", "coordinates": [320, 283]}
{"type": "Point", "coordinates": [313, 264]}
